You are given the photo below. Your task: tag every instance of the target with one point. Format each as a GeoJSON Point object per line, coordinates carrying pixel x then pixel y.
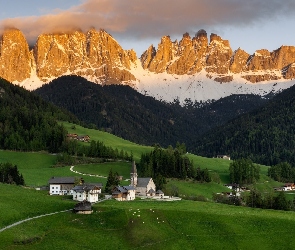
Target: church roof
{"type": "Point", "coordinates": [133, 167]}
{"type": "Point", "coordinates": [143, 182]}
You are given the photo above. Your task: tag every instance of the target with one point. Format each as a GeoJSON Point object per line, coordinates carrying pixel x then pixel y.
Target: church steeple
{"type": "Point", "coordinates": [133, 175]}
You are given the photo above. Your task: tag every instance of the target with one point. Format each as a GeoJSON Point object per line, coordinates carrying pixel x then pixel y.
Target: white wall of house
{"type": "Point", "coordinates": [54, 189]}
{"type": "Point", "coordinates": [91, 196]}
{"type": "Point", "coordinates": [130, 195]}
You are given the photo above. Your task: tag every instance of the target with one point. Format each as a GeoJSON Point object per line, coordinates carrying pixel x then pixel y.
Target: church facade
{"type": "Point", "coordinates": [143, 186]}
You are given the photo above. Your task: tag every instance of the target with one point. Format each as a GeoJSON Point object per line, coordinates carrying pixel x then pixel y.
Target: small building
{"type": "Point", "coordinates": [225, 157]}
{"type": "Point", "coordinates": [123, 193]}
{"type": "Point", "coordinates": [83, 207]}
{"type": "Point", "coordinates": [88, 192]}
{"type": "Point", "coordinates": [288, 187]}
{"type": "Point", "coordinates": [234, 186]}
{"type": "Point", "coordinates": [160, 193]}
{"type": "Point", "coordinates": [61, 185]}
{"type": "Point", "coordinates": [83, 138]}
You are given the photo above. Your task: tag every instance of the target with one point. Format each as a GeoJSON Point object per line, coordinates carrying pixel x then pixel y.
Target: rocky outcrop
{"type": "Point", "coordinates": [96, 51]}
{"type": "Point", "coordinates": [94, 54]}
{"type": "Point", "coordinates": [218, 55]}
{"type": "Point", "coordinates": [15, 57]}
{"type": "Point", "coordinates": [190, 56]}
{"type": "Point", "coordinates": [97, 55]}
{"type": "Point", "coordinates": [238, 61]}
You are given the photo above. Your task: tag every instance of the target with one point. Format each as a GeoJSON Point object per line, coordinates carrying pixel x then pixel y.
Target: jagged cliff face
{"type": "Point", "coordinates": [15, 57]}
{"type": "Point", "coordinates": [97, 56]}
{"type": "Point", "coordinates": [94, 54]}
{"type": "Point", "coordinates": [190, 56]}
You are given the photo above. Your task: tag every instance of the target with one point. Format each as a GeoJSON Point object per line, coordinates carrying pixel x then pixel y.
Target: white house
{"type": "Point", "coordinates": [87, 192]}
{"type": "Point", "coordinates": [61, 185]}
{"type": "Point", "coordinates": [123, 193]}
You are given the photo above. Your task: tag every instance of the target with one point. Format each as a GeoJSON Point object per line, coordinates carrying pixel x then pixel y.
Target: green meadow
{"type": "Point", "coordinates": [140, 224]}
{"type": "Point", "coordinates": [156, 225]}
{"type": "Point", "coordinates": [109, 139]}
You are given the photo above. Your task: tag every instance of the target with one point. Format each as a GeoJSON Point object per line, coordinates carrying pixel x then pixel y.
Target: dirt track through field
{"type": "Point", "coordinates": [32, 218]}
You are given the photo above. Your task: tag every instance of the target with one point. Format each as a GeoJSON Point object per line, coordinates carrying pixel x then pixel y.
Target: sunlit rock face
{"type": "Point", "coordinates": [15, 57]}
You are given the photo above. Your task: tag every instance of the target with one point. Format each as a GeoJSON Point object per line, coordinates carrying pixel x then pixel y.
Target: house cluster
{"type": "Point", "coordinates": [90, 192]}
{"type": "Point", "coordinates": [286, 187]}
{"type": "Point", "coordinates": [236, 189]}
{"type": "Point", "coordinates": [70, 186]}
{"type": "Point", "coordinates": [83, 138]}
{"type": "Point", "coordinates": [142, 187]}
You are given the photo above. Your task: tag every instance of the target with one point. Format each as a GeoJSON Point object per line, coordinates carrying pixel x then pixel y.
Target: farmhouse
{"type": "Point", "coordinates": [61, 185]}
{"type": "Point", "coordinates": [225, 157]}
{"type": "Point", "coordinates": [123, 193]}
{"type": "Point", "coordinates": [83, 138]}
{"type": "Point", "coordinates": [88, 192]}
{"type": "Point", "coordinates": [143, 186]}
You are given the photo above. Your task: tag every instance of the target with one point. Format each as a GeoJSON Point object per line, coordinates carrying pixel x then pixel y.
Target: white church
{"type": "Point", "coordinates": [143, 186]}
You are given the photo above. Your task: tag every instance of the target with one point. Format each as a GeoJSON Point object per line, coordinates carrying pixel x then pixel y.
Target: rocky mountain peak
{"type": "Point", "coordinates": [15, 57]}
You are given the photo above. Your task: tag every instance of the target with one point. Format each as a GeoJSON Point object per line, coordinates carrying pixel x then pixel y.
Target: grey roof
{"type": "Point", "coordinates": [133, 167]}
{"type": "Point", "coordinates": [159, 192]}
{"type": "Point", "coordinates": [62, 180]}
{"type": "Point", "coordinates": [129, 187]}
{"type": "Point", "coordinates": [83, 206]}
{"type": "Point", "coordinates": [122, 189]}
{"type": "Point", "coordinates": [143, 182]}
{"type": "Point", "coordinates": [87, 187]}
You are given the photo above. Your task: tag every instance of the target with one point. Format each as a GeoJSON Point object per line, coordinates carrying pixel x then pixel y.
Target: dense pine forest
{"type": "Point", "coordinates": [28, 123]}
{"type": "Point", "coordinates": [126, 113]}
{"type": "Point", "coordinates": [265, 135]}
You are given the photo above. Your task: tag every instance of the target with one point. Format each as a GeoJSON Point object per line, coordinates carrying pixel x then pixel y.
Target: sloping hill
{"type": "Point", "coordinates": [266, 135]}
{"type": "Point", "coordinates": [29, 123]}
{"type": "Point", "coordinates": [128, 114]}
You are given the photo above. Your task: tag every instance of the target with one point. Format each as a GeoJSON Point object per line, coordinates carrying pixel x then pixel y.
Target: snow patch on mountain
{"type": "Point", "coordinates": [198, 87]}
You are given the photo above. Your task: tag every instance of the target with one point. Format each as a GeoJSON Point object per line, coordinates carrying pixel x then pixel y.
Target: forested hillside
{"type": "Point", "coordinates": [126, 113]}
{"type": "Point", "coordinates": [29, 123]}
{"type": "Point", "coordinates": [265, 135]}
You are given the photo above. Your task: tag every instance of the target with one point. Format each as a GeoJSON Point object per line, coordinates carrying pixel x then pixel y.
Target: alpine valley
{"type": "Point", "coordinates": [196, 68]}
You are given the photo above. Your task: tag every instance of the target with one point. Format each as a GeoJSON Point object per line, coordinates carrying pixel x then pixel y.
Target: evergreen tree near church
{"type": "Point", "coordinates": [112, 181]}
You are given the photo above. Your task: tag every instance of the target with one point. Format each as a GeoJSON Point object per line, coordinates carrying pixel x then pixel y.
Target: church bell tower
{"type": "Point", "coordinates": [133, 175]}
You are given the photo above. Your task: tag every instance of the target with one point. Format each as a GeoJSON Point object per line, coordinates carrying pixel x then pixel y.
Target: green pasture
{"type": "Point", "coordinates": [156, 225]}
{"type": "Point", "coordinates": [109, 139]}
{"type": "Point", "coordinates": [18, 203]}
{"type": "Point", "coordinates": [189, 188]}
{"type": "Point", "coordinates": [38, 168]}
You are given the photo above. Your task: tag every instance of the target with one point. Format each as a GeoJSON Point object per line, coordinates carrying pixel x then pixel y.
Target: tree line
{"type": "Point", "coordinates": [74, 152]}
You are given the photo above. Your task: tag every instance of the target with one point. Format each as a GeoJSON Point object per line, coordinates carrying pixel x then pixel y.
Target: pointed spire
{"type": "Point", "coordinates": [133, 168]}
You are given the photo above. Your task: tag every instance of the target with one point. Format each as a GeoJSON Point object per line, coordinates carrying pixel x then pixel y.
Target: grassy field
{"type": "Point", "coordinates": [161, 225]}
{"type": "Point", "coordinates": [109, 140]}
{"type": "Point", "coordinates": [38, 168]}
{"type": "Point", "coordinates": [116, 225]}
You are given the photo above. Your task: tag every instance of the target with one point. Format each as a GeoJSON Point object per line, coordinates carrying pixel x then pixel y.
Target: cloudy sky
{"type": "Point", "coordinates": [251, 24]}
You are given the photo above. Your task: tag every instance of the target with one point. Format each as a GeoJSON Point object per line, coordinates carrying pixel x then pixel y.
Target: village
{"type": "Point", "coordinates": [88, 193]}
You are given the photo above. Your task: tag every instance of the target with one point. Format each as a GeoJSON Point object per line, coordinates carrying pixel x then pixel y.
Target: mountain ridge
{"type": "Point", "coordinates": [197, 68]}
